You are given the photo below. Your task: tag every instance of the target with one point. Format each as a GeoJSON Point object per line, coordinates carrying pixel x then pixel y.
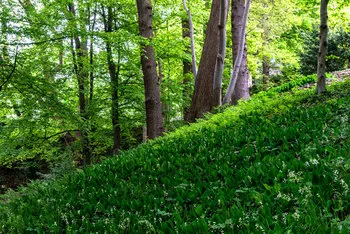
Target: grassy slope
{"type": "Point", "coordinates": [274, 164]}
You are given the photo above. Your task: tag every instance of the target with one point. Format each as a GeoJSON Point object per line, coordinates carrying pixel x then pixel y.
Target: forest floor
{"type": "Point", "coordinates": [278, 163]}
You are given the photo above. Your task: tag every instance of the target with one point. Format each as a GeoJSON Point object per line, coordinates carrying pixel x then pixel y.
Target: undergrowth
{"type": "Point", "coordinates": [278, 163]}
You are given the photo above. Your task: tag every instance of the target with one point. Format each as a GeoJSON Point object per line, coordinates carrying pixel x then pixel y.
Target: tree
{"type": "Point", "coordinates": [153, 105]}
{"type": "Point", "coordinates": [239, 57]}
{"type": "Point", "coordinates": [321, 67]}
{"type": "Point", "coordinates": [242, 85]}
{"type": "Point", "coordinates": [81, 57]}
{"type": "Point", "coordinates": [220, 59]}
{"type": "Point", "coordinates": [114, 72]}
{"type": "Point", "coordinates": [189, 25]}
{"type": "Point", "coordinates": [202, 99]}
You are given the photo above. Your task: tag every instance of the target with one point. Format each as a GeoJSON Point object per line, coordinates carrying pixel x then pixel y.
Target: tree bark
{"type": "Point", "coordinates": [92, 75]}
{"type": "Point", "coordinates": [114, 70]}
{"type": "Point", "coordinates": [239, 58]}
{"type": "Point", "coordinates": [266, 72]}
{"type": "Point", "coordinates": [242, 87]}
{"type": "Point", "coordinates": [202, 99]}
{"type": "Point", "coordinates": [80, 59]}
{"type": "Point", "coordinates": [153, 104]}
{"type": "Point", "coordinates": [187, 69]}
{"type": "Point", "coordinates": [321, 65]}
{"type": "Point", "coordinates": [220, 59]}
{"type": "Point", "coordinates": [191, 35]}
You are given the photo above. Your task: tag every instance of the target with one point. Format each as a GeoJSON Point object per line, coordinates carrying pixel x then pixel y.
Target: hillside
{"type": "Point", "coordinates": [277, 163]}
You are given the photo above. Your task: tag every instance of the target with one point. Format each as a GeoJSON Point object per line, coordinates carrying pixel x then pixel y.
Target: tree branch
{"type": "Point", "coordinates": [12, 71]}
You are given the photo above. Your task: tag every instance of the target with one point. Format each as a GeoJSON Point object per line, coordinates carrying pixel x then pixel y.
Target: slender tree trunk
{"type": "Point", "coordinates": [92, 77]}
{"type": "Point", "coordinates": [114, 71]}
{"type": "Point", "coordinates": [165, 105]}
{"type": "Point", "coordinates": [266, 60]}
{"type": "Point", "coordinates": [220, 59]}
{"type": "Point", "coordinates": [239, 58]}
{"type": "Point", "coordinates": [321, 66]}
{"type": "Point", "coordinates": [242, 87]}
{"type": "Point", "coordinates": [202, 99]}
{"type": "Point", "coordinates": [187, 70]}
{"type": "Point", "coordinates": [191, 35]}
{"type": "Point", "coordinates": [266, 72]}
{"type": "Point", "coordinates": [153, 104]}
{"type": "Point", "coordinates": [80, 58]}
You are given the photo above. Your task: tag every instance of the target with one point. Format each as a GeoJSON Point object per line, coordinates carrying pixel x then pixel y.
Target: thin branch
{"type": "Point", "coordinates": [12, 71]}
{"type": "Point", "coordinates": [33, 43]}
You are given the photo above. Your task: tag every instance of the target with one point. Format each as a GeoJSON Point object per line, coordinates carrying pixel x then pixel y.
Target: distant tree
{"type": "Point", "coordinates": [114, 73]}
{"type": "Point", "coordinates": [338, 50]}
{"type": "Point", "coordinates": [321, 64]}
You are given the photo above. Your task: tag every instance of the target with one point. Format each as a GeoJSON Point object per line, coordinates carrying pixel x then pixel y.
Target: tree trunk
{"type": "Point", "coordinates": [321, 66]}
{"type": "Point", "coordinates": [153, 104]}
{"type": "Point", "coordinates": [114, 71]}
{"type": "Point", "coordinates": [187, 70]}
{"type": "Point", "coordinates": [220, 59]}
{"type": "Point", "coordinates": [202, 100]}
{"type": "Point", "coordinates": [81, 58]}
{"type": "Point", "coordinates": [266, 72]}
{"type": "Point", "coordinates": [239, 58]}
{"type": "Point", "coordinates": [165, 105]}
{"type": "Point", "coordinates": [92, 77]}
{"type": "Point", "coordinates": [191, 36]}
{"type": "Point", "coordinates": [242, 87]}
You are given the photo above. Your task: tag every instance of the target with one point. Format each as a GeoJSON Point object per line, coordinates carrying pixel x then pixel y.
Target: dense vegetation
{"type": "Point", "coordinates": [278, 163]}
{"type": "Point", "coordinates": [46, 127]}
{"type": "Point", "coordinates": [83, 81]}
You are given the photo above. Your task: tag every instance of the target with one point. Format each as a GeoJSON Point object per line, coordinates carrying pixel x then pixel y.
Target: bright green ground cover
{"type": "Point", "coordinates": [276, 164]}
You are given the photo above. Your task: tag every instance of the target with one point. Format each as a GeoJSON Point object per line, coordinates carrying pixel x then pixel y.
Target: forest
{"type": "Point", "coordinates": [181, 116]}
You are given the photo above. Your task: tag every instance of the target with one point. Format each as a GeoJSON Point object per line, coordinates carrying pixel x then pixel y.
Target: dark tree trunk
{"type": "Point", "coordinates": [114, 70]}
{"type": "Point", "coordinates": [321, 65]}
{"type": "Point", "coordinates": [153, 104]}
{"type": "Point", "coordinates": [187, 69]}
{"type": "Point", "coordinates": [165, 106]}
{"type": "Point", "coordinates": [266, 72]}
{"type": "Point", "coordinates": [81, 58]}
{"type": "Point", "coordinates": [202, 100]}
{"type": "Point", "coordinates": [242, 88]}
{"type": "Point", "coordinates": [92, 77]}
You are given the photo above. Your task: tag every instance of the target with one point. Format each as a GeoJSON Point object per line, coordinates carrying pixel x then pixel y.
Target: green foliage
{"type": "Point", "coordinates": [277, 163]}
{"type": "Point", "coordinates": [294, 83]}
{"type": "Point", "coordinates": [337, 51]}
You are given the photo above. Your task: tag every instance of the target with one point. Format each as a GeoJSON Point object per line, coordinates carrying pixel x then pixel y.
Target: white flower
{"type": "Point", "coordinates": [314, 162]}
